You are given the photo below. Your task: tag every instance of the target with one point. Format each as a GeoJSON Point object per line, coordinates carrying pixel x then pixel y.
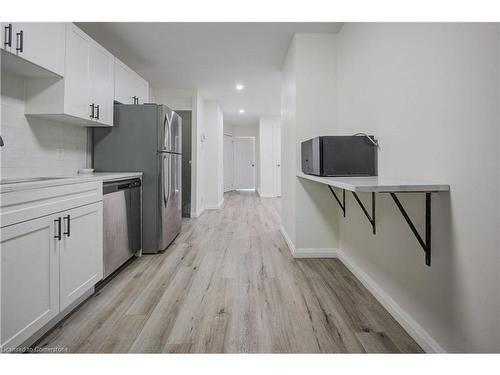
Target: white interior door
{"type": "Point", "coordinates": [244, 163]}
{"type": "Point", "coordinates": [277, 157]}
{"type": "Point", "coordinates": [228, 163]}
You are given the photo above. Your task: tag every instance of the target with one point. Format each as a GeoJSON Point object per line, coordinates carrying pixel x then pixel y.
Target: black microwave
{"type": "Point", "coordinates": [340, 156]}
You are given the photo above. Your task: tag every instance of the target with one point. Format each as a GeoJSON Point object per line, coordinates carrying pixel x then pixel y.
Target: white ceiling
{"type": "Point", "coordinates": [211, 57]}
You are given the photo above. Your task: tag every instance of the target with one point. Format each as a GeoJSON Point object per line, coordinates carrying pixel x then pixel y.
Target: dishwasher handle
{"type": "Point", "coordinates": [114, 186]}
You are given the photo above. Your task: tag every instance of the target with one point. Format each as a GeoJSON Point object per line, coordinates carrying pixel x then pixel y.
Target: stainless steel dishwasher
{"type": "Point", "coordinates": [121, 222]}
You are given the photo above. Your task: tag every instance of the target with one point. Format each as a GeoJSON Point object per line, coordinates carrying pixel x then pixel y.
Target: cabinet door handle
{"type": "Point", "coordinates": [97, 111]}
{"type": "Point", "coordinates": [58, 228]}
{"type": "Point", "coordinates": [8, 36]}
{"type": "Point", "coordinates": [68, 231]}
{"type": "Point", "coordinates": [92, 107]}
{"type": "Point", "coordinates": [19, 41]}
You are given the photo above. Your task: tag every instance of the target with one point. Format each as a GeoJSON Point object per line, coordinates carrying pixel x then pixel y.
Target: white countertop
{"type": "Point", "coordinates": [67, 180]}
{"type": "Point", "coordinates": [377, 184]}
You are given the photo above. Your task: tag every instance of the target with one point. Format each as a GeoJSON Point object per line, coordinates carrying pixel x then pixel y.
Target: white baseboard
{"type": "Point", "coordinates": [265, 195]}
{"type": "Point", "coordinates": [322, 252]}
{"type": "Point", "coordinates": [288, 240]}
{"type": "Point", "coordinates": [198, 213]}
{"type": "Point", "coordinates": [217, 207]}
{"type": "Point", "coordinates": [308, 252]}
{"type": "Point", "coordinates": [415, 330]}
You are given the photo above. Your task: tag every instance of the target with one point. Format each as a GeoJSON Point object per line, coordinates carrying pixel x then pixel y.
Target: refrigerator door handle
{"type": "Point", "coordinates": [166, 175]}
{"type": "Point", "coordinates": [168, 130]}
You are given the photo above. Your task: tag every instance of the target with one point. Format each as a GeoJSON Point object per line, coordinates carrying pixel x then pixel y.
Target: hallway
{"type": "Point", "coordinates": [230, 284]}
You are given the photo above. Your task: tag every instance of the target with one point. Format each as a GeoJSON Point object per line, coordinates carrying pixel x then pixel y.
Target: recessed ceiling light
{"type": "Point", "coordinates": [239, 87]}
{"type": "Point", "coordinates": [241, 111]}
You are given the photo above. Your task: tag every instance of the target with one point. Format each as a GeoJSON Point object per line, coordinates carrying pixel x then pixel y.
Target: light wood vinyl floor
{"type": "Point", "coordinates": [228, 284]}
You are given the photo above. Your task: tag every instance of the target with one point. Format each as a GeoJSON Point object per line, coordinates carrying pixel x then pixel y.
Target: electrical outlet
{"type": "Point", "coordinates": [60, 154]}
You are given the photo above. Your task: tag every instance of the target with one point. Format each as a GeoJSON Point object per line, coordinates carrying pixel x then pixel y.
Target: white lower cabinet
{"type": "Point", "coordinates": [46, 264]}
{"type": "Point", "coordinates": [80, 253]}
{"type": "Point", "coordinates": [29, 279]}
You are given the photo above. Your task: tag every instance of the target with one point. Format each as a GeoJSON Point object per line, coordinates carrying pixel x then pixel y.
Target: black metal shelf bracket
{"type": "Point", "coordinates": [371, 218]}
{"type": "Point", "coordinates": [341, 204]}
{"type": "Point", "coordinates": [426, 245]}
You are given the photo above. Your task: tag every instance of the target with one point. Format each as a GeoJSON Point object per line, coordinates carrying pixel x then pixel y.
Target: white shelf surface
{"type": "Point", "coordinates": [377, 185]}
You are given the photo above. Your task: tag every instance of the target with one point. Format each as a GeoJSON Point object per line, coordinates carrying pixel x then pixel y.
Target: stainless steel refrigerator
{"type": "Point", "coordinates": [147, 138]}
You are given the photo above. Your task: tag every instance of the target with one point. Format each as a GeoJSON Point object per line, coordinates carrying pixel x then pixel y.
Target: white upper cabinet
{"type": "Point", "coordinates": [101, 84]}
{"type": "Point", "coordinates": [130, 88]}
{"type": "Point", "coordinates": [77, 74]}
{"type": "Point", "coordinates": [39, 45]}
{"type": "Point", "coordinates": [85, 95]}
{"type": "Point", "coordinates": [89, 78]}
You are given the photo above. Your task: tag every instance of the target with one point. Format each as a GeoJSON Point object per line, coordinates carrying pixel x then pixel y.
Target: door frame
{"type": "Point", "coordinates": [224, 161]}
{"type": "Point", "coordinates": [254, 162]}
{"type": "Point", "coordinates": [277, 159]}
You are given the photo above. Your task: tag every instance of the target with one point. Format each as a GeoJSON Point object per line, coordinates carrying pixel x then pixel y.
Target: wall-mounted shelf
{"type": "Point", "coordinates": [378, 185]}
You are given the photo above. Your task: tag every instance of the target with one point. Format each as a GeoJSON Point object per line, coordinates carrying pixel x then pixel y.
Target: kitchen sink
{"type": "Point", "coordinates": [28, 179]}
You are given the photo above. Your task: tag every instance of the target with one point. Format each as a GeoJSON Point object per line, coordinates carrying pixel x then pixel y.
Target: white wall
{"type": "Point", "coordinates": [430, 93]}
{"type": "Point", "coordinates": [308, 109]}
{"type": "Point", "coordinates": [179, 99]}
{"type": "Point", "coordinates": [213, 150]}
{"type": "Point", "coordinates": [31, 145]}
{"type": "Point", "coordinates": [267, 155]}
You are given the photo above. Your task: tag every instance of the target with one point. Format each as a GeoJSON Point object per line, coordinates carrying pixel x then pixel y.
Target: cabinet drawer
{"type": "Point", "coordinates": [18, 206]}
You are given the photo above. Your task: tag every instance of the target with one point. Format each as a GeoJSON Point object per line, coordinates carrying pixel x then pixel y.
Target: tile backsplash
{"type": "Point", "coordinates": [34, 146]}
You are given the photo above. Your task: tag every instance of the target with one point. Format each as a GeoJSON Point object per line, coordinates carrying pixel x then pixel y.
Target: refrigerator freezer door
{"type": "Point", "coordinates": [170, 198]}
{"type": "Point", "coordinates": [171, 133]}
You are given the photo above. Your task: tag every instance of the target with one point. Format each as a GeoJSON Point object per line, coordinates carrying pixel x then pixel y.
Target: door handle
{"type": "Point", "coordinates": [97, 111]}
{"type": "Point", "coordinates": [58, 229]}
{"type": "Point", "coordinates": [68, 232]}
{"type": "Point", "coordinates": [92, 107]}
{"type": "Point", "coordinates": [166, 194]}
{"type": "Point", "coordinates": [19, 41]}
{"type": "Point", "coordinates": [8, 40]}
